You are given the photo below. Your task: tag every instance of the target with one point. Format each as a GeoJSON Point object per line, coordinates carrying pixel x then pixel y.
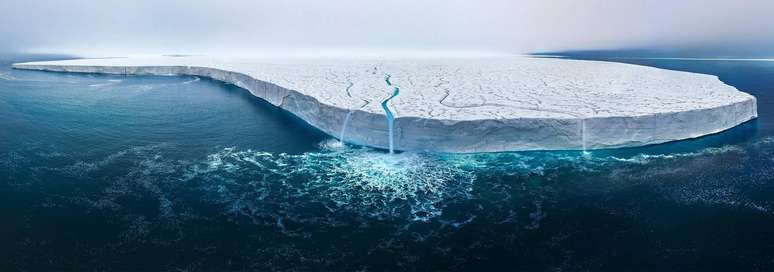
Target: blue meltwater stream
{"type": "Point", "coordinates": [390, 116]}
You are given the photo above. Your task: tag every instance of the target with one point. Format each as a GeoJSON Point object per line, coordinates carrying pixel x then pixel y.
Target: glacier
{"type": "Point", "coordinates": [466, 104]}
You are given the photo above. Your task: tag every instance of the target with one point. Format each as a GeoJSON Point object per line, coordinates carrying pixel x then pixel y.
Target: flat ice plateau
{"type": "Point", "coordinates": [484, 104]}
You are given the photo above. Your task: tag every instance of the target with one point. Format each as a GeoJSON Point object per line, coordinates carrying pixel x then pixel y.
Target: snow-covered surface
{"type": "Point", "coordinates": [469, 104]}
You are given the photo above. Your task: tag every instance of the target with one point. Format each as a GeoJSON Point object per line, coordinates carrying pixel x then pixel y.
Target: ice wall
{"type": "Point", "coordinates": [468, 105]}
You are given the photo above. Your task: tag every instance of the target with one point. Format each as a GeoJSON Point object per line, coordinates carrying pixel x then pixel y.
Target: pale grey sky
{"type": "Point", "coordinates": [509, 26]}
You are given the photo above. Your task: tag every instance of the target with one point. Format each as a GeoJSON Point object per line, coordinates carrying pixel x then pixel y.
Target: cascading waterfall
{"type": "Point", "coordinates": [349, 114]}
{"type": "Point", "coordinates": [390, 116]}
{"type": "Point", "coordinates": [344, 127]}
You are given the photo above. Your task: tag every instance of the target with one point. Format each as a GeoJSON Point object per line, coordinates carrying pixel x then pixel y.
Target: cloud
{"type": "Point", "coordinates": [237, 26]}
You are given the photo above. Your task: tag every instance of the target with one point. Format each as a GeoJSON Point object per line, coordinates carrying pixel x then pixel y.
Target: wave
{"type": "Point", "coordinates": [647, 158]}
{"type": "Point", "coordinates": [110, 82]}
{"type": "Point", "coordinates": [7, 77]}
{"type": "Point", "coordinates": [195, 79]}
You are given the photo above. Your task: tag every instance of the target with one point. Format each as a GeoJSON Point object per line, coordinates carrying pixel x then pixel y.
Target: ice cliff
{"type": "Point", "coordinates": [467, 104]}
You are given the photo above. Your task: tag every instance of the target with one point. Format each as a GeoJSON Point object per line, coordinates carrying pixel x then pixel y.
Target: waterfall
{"type": "Point", "coordinates": [583, 137]}
{"type": "Point", "coordinates": [390, 116]}
{"type": "Point", "coordinates": [344, 127]}
{"type": "Point", "coordinates": [349, 114]}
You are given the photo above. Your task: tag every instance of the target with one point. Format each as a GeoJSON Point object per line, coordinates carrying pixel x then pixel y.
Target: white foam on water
{"type": "Point", "coordinates": [109, 82]}
{"type": "Point", "coordinates": [366, 181]}
{"type": "Point", "coordinates": [7, 77]}
{"type": "Point", "coordinates": [195, 79]}
{"type": "Point", "coordinates": [647, 158]}
{"type": "Point", "coordinates": [332, 144]}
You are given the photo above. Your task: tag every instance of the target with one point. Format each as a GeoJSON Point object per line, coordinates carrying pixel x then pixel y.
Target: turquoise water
{"type": "Point", "coordinates": [133, 173]}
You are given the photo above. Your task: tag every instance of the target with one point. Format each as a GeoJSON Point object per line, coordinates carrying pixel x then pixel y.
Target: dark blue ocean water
{"type": "Point", "coordinates": [135, 173]}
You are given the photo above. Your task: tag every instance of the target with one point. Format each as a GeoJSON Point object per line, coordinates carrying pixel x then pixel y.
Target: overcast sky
{"type": "Point", "coordinates": [113, 27]}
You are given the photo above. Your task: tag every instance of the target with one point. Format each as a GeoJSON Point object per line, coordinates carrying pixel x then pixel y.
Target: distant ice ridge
{"type": "Point", "coordinates": [470, 104]}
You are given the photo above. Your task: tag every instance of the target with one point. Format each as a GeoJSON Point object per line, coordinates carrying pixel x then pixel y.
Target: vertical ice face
{"type": "Point", "coordinates": [388, 113]}
{"type": "Point", "coordinates": [468, 104]}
